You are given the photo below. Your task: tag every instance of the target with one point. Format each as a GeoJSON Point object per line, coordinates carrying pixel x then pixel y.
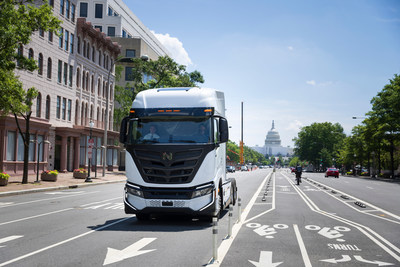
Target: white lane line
{"type": "Point", "coordinates": [46, 199]}
{"type": "Point", "coordinates": [226, 243]}
{"type": "Point", "coordinates": [362, 228]}
{"type": "Point", "coordinates": [36, 216]}
{"type": "Point", "coordinates": [366, 203]}
{"type": "Point", "coordinates": [61, 243]}
{"type": "Point", "coordinates": [303, 249]}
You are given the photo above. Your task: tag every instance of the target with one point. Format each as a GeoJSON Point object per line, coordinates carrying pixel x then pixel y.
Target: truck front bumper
{"type": "Point", "coordinates": [196, 201]}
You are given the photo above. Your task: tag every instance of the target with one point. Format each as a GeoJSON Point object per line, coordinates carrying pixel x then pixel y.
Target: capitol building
{"type": "Point", "coordinates": [272, 145]}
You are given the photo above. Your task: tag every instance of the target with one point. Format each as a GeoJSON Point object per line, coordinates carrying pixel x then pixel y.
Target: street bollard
{"type": "Point", "coordinates": [240, 209]}
{"type": "Point", "coordinates": [230, 220]}
{"type": "Point", "coordinates": [215, 237]}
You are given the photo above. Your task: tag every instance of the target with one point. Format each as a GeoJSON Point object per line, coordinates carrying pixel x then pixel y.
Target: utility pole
{"type": "Point", "coordinates": [241, 138]}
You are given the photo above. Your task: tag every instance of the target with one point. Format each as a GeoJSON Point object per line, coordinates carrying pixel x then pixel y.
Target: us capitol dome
{"type": "Point", "coordinates": [272, 145]}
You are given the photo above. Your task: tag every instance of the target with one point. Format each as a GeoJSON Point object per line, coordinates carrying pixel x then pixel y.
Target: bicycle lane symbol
{"type": "Point", "coordinates": [328, 232]}
{"type": "Point", "coordinates": [265, 230]}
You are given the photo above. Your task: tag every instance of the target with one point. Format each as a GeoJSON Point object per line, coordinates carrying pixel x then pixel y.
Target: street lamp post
{"type": "Point", "coordinates": [88, 178]}
{"type": "Point", "coordinates": [144, 58]}
{"type": "Point", "coordinates": [38, 155]}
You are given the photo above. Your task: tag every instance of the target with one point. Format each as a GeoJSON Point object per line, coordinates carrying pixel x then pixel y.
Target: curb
{"type": "Point", "coordinates": [61, 187]}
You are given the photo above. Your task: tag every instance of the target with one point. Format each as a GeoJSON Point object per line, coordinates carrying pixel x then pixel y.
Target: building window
{"type": "Point", "coordinates": [98, 11]}
{"type": "Point", "coordinates": [69, 109]}
{"type": "Point", "coordinates": [72, 12]}
{"type": "Point", "coordinates": [51, 3]}
{"type": "Point", "coordinates": [123, 33]}
{"type": "Point", "coordinates": [64, 107]}
{"type": "Point", "coordinates": [58, 111]}
{"type": "Point", "coordinates": [110, 11]}
{"type": "Point", "coordinates": [49, 66]}
{"type": "Point", "coordinates": [38, 105]}
{"type": "Point", "coordinates": [41, 33]}
{"type": "Point", "coordinates": [84, 48]}
{"type": "Point", "coordinates": [11, 145]}
{"type": "Point", "coordinates": [66, 46]}
{"type": "Point", "coordinates": [65, 73]}
{"type": "Point", "coordinates": [93, 53]}
{"type": "Point", "coordinates": [67, 3]}
{"type": "Point", "coordinates": [40, 64]}
{"type": "Point", "coordinates": [79, 45]}
{"type": "Point", "coordinates": [130, 53]}
{"type": "Point", "coordinates": [72, 44]}
{"type": "Point", "coordinates": [111, 31]}
{"type": "Point", "coordinates": [61, 38]}
{"type": "Point", "coordinates": [88, 51]}
{"type": "Point", "coordinates": [99, 58]}
{"type": "Point", "coordinates": [59, 71]}
{"type": "Point", "coordinates": [83, 10]}
{"type": "Point", "coordinates": [71, 68]}
{"type": "Point", "coordinates": [20, 149]}
{"type": "Point", "coordinates": [78, 77]}
{"type": "Point", "coordinates": [31, 54]}
{"type": "Point", "coordinates": [20, 54]}
{"type": "Point", "coordinates": [50, 36]}
{"type": "Point", "coordinates": [47, 115]}
{"type": "Point", "coordinates": [62, 7]}
{"type": "Point", "coordinates": [128, 74]}
{"type": "Point", "coordinates": [99, 27]}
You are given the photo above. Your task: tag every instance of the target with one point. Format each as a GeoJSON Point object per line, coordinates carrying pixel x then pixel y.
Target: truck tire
{"type": "Point", "coordinates": [233, 192]}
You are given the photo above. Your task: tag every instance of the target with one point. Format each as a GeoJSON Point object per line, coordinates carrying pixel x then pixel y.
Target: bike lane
{"type": "Point", "coordinates": [286, 228]}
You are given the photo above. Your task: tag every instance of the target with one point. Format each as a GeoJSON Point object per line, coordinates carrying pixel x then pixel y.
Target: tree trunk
{"type": "Point", "coordinates": [26, 150]}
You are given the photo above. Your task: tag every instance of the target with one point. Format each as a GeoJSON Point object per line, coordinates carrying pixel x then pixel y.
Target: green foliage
{"type": "Point", "coordinates": [18, 20]}
{"type": "Point", "coordinates": [233, 151]}
{"type": "Point", "coordinates": [319, 143]}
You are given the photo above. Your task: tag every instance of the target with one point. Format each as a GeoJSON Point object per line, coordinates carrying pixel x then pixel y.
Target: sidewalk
{"type": "Point", "coordinates": [64, 181]}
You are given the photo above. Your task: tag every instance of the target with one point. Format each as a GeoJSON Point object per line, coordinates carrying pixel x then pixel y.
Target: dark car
{"type": "Point", "coordinates": [230, 169]}
{"type": "Point", "coordinates": [332, 172]}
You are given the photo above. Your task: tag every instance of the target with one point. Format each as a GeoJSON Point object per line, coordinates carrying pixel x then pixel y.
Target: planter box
{"type": "Point", "coordinates": [80, 175]}
{"type": "Point", "coordinates": [48, 177]}
{"type": "Point", "coordinates": [3, 182]}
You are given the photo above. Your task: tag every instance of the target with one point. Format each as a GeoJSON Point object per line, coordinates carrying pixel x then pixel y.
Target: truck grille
{"type": "Point", "coordinates": [172, 165]}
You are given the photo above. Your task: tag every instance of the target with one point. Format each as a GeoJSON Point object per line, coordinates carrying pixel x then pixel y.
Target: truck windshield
{"type": "Point", "coordinates": [170, 130]}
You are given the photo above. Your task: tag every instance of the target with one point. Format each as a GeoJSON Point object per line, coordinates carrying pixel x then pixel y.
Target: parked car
{"type": "Point", "coordinates": [230, 169]}
{"type": "Point", "coordinates": [332, 172]}
{"type": "Point", "coordinates": [244, 168]}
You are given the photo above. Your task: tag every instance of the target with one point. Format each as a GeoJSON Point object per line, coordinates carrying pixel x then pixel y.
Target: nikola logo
{"type": "Point", "coordinates": [167, 156]}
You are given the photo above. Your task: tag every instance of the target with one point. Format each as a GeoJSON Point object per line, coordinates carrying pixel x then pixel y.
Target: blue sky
{"type": "Point", "coordinates": [295, 62]}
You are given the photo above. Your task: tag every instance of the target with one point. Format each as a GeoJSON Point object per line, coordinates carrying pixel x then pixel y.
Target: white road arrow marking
{"type": "Point", "coordinates": [9, 238]}
{"type": "Point", "coordinates": [343, 259]}
{"type": "Point", "coordinates": [265, 260]}
{"type": "Point", "coordinates": [379, 263]}
{"type": "Point", "coordinates": [329, 233]}
{"type": "Point", "coordinates": [115, 255]}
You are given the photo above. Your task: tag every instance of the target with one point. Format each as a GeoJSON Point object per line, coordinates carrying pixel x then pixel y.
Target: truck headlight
{"type": "Point", "coordinates": [134, 191]}
{"type": "Point", "coordinates": [202, 191]}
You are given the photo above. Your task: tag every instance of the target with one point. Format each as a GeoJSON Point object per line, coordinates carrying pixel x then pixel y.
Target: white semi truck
{"type": "Point", "coordinates": [175, 140]}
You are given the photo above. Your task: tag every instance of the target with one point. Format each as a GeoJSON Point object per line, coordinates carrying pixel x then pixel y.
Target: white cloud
{"type": "Point", "coordinates": [312, 82]}
{"type": "Point", "coordinates": [175, 47]}
{"type": "Point", "coordinates": [294, 126]}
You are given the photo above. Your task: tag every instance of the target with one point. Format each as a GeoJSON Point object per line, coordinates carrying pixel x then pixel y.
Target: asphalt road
{"type": "Point", "coordinates": [282, 224]}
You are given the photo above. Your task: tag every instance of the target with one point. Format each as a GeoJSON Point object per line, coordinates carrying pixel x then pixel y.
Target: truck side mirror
{"type": "Point", "coordinates": [122, 133]}
{"type": "Point", "coordinates": [224, 132]}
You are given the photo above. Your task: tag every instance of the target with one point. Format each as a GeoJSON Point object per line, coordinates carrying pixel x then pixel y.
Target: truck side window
{"type": "Point", "coordinates": [216, 130]}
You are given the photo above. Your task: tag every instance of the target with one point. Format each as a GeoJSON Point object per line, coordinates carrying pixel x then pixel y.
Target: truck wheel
{"type": "Point", "coordinates": [233, 192]}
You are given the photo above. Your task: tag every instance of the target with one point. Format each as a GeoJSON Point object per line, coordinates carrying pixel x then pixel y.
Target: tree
{"type": "Point", "coordinates": [18, 20]}
{"type": "Point", "coordinates": [163, 72]}
{"type": "Point", "coordinates": [319, 143]}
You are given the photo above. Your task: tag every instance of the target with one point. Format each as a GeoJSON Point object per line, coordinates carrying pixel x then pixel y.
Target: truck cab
{"type": "Point", "coordinates": [175, 141]}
